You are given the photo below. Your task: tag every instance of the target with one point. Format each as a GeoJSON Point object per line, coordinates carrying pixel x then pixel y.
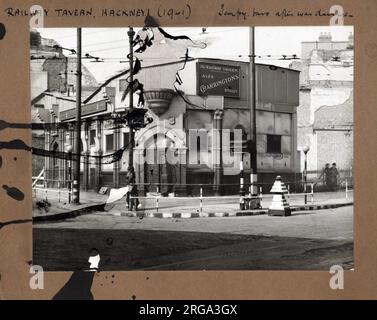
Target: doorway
{"type": "Point", "coordinates": [158, 172]}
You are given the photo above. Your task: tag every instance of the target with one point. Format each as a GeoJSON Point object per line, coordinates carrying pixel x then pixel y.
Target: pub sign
{"type": "Point", "coordinates": [218, 80]}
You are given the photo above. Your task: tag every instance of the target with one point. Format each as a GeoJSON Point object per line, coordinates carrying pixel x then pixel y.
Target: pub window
{"type": "Point", "coordinates": [109, 142]}
{"type": "Point", "coordinates": [92, 136]}
{"type": "Point", "coordinates": [71, 90]}
{"type": "Point", "coordinates": [273, 143]}
{"type": "Point", "coordinates": [126, 138]}
{"type": "Point", "coordinates": [231, 143]}
{"type": "Point", "coordinates": [41, 106]}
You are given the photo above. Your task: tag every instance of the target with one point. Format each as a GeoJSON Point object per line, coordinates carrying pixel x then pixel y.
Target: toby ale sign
{"type": "Point", "coordinates": [218, 80]}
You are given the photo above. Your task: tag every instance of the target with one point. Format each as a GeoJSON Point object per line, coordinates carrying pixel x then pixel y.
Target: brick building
{"type": "Point", "coordinates": [325, 115]}
{"type": "Point", "coordinates": [53, 82]}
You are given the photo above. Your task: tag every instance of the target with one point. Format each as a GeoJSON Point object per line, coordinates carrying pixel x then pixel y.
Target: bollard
{"type": "Point", "coordinates": [248, 205]}
{"type": "Point", "coordinates": [242, 202]}
{"type": "Point", "coordinates": [279, 205]}
{"type": "Point", "coordinates": [58, 191]}
{"type": "Point", "coordinates": [288, 191]}
{"type": "Point", "coordinates": [201, 199]}
{"type": "Point", "coordinates": [261, 196]}
{"type": "Point", "coordinates": [46, 194]}
{"type": "Point", "coordinates": [242, 191]}
{"type": "Point", "coordinates": [157, 200]}
{"type": "Point", "coordinates": [346, 189]}
{"type": "Point", "coordinates": [312, 192]}
{"type": "Point", "coordinates": [75, 193]}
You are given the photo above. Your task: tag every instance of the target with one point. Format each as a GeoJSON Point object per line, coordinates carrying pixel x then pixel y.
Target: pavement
{"type": "Point", "coordinates": [179, 207]}
{"type": "Point", "coordinates": [60, 208]}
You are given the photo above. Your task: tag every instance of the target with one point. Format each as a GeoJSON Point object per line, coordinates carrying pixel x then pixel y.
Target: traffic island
{"type": "Point", "coordinates": [235, 213]}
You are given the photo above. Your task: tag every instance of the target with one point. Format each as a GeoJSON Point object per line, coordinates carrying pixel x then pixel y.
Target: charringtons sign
{"type": "Point", "coordinates": [218, 80]}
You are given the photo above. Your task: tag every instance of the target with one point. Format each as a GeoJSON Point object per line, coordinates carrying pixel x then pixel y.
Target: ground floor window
{"type": "Point", "coordinates": [273, 143]}
{"type": "Point", "coordinates": [109, 142]}
{"type": "Point", "coordinates": [92, 136]}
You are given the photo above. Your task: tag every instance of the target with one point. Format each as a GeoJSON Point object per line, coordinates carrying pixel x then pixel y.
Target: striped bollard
{"type": "Point", "coordinates": [75, 192]}
{"type": "Point", "coordinates": [253, 183]}
{"type": "Point", "coordinates": [279, 205]}
{"type": "Point", "coordinates": [242, 193]}
{"type": "Point", "coordinates": [248, 205]}
{"type": "Point", "coordinates": [312, 192]}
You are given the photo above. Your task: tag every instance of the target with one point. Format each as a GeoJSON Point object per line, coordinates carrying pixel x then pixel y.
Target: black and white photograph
{"type": "Point", "coordinates": [192, 148]}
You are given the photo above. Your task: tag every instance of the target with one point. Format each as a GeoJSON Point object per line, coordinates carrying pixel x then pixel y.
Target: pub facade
{"type": "Point", "coordinates": [214, 97]}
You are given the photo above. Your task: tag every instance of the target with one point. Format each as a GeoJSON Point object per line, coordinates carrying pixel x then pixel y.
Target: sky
{"type": "Point", "coordinates": [231, 43]}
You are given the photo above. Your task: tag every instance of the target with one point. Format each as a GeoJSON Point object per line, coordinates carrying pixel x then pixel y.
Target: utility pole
{"type": "Point", "coordinates": [77, 149]}
{"type": "Point", "coordinates": [253, 114]}
{"type": "Point", "coordinates": [131, 34]}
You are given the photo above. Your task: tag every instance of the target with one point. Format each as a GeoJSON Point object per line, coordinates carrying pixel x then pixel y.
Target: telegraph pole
{"type": "Point", "coordinates": [253, 114]}
{"type": "Point", "coordinates": [77, 149]}
{"type": "Point", "coordinates": [131, 34]}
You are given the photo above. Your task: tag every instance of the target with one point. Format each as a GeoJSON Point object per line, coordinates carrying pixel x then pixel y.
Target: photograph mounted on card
{"type": "Point", "coordinates": [160, 138]}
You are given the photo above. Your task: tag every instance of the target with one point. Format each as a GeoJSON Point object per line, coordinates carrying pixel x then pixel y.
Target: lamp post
{"type": "Point", "coordinates": [305, 150]}
{"type": "Point", "coordinates": [77, 149]}
{"type": "Point", "coordinates": [69, 149]}
{"type": "Point", "coordinates": [253, 115]}
{"type": "Point", "coordinates": [131, 34]}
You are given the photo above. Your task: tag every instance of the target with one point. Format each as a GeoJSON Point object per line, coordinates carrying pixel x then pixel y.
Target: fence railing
{"type": "Point", "coordinates": [203, 192]}
{"type": "Point", "coordinates": [59, 194]}
{"type": "Point", "coordinates": [245, 199]}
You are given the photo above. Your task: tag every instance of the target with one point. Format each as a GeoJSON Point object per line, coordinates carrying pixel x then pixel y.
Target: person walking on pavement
{"type": "Point", "coordinates": [334, 175]}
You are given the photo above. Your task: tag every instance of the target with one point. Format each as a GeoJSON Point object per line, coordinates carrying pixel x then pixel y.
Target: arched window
{"type": "Point", "coordinates": [55, 148]}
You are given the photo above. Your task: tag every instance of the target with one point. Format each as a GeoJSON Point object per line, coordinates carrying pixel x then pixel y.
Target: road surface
{"type": "Point", "coordinates": [312, 240]}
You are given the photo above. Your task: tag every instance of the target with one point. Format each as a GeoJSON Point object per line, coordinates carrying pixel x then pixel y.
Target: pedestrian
{"type": "Point", "coordinates": [130, 181]}
{"type": "Point", "coordinates": [334, 175]}
{"type": "Point", "coordinates": [135, 203]}
{"type": "Point", "coordinates": [132, 190]}
{"type": "Point", "coordinates": [325, 175]}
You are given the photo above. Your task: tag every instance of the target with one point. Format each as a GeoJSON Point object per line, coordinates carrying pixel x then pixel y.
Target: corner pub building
{"type": "Point", "coordinates": [210, 103]}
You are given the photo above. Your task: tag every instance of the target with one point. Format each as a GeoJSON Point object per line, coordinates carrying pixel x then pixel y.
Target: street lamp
{"type": "Point", "coordinates": [69, 149]}
{"type": "Point", "coordinates": [305, 149]}
{"type": "Point", "coordinates": [131, 34]}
